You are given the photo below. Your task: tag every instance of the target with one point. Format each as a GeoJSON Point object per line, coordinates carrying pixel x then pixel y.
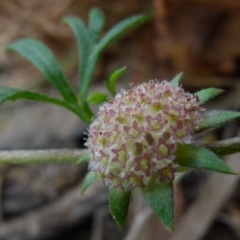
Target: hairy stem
{"type": "Point", "coordinates": [42, 156]}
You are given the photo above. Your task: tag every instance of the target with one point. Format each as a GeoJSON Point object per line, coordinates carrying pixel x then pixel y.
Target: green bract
{"type": "Point", "coordinates": [118, 203]}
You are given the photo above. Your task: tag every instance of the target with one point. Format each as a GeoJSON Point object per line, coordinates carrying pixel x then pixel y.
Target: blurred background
{"type": "Point", "coordinates": [197, 37]}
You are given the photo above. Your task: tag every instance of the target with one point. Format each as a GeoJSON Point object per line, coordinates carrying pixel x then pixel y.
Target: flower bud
{"type": "Point", "coordinates": [133, 139]}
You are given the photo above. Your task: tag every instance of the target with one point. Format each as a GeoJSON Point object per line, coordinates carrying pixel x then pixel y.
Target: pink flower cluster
{"type": "Point", "coordinates": [133, 139]}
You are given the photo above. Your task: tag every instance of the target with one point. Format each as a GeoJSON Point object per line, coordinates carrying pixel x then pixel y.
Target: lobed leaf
{"type": "Point", "coordinates": [111, 83]}
{"type": "Point", "coordinates": [192, 156]}
{"type": "Point", "coordinates": [96, 24]}
{"type": "Point", "coordinates": [207, 94]}
{"type": "Point", "coordinates": [159, 196]}
{"type": "Point", "coordinates": [215, 118]}
{"type": "Point", "coordinates": [87, 182]}
{"type": "Point", "coordinates": [97, 98]}
{"type": "Point", "coordinates": [175, 81]}
{"type": "Point", "coordinates": [42, 57]}
{"type": "Point", "coordinates": [119, 202]}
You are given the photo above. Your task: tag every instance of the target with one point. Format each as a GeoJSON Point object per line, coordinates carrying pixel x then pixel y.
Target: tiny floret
{"type": "Point", "coordinates": [133, 139]}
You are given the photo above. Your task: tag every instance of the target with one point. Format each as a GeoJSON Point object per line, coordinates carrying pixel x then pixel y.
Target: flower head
{"type": "Point", "coordinates": [134, 136]}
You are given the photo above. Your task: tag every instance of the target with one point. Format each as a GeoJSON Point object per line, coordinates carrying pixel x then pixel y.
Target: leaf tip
{"type": "Point", "coordinates": [120, 226]}
{"type": "Point", "coordinates": [118, 203]}
{"type": "Point", "coordinates": [233, 173]}
{"type": "Point", "coordinates": [147, 17]}
{"type": "Point", "coordinates": [97, 10]}
{"type": "Point", "coordinates": [175, 81]}
{"type": "Point", "coordinates": [82, 191]}
{"type": "Point", "coordinates": [221, 90]}
{"type": "Point", "coordinates": [65, 20]}
{"type": "Point", "coordinates": [88, 180]}
{"type": "Point", "coordinates": [180, 74]}
{"type": "Point", "coordinates": [7, 48]}
{"type": "Point", "coordinates": [170, 227]}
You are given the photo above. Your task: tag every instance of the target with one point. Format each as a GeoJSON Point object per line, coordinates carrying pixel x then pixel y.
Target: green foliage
{"type": "Point", "coordinates": [91, 44]}
{"type": "Point", "coordinates": [207, 94]}
{"type": "Point", "coordinates": [112, 80]}
{"type": "Point", "coordinates": [119, 29]}
{"type": "Point", "coordinates": [159, 197]}
{"type": "Point", "coordinates": [224, 147]}
{"type": "Point", "coordinates": [83, 159]}
{"type": "Point", "coordinates": [118, 203]}
{"type": "Point", "coordinates": [97, 98]}
{"type": "Point", "coordinates": [216, 118]}
{"type": "Point", "coordinates": [175, 81]}
{"type": "Point", "coordinates": [88, 180]}
{"type": "Point", "coordinates": [192, 156]}
{"type": "Point", "coordinates": [96, 25]}
{"type": "Point", "coordinates": [90, 47]}
{"type": "Point", "coordinates": [41, 56]}
{"type": "Point", "coordinates": [90, 51]}
{"type": "Point", "coordinates": [15, 94]}
{"type": "Point", "coordinates": [83, 40]}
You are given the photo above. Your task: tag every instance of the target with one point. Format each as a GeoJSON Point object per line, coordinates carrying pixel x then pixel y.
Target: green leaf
{"type": "Point", "coordinates": [159, 197]}
{"type": "Point", "coordinates": [97, 98]}
{"type": "Point", "coordinates": [88, 180]}
{"type": "Point", "coordinates": [120, 28]}
{"type": "Point", "coordinates": [215, 118]}
{"type": "Point", "coordinates": [83, 159]}
{"type": "Point", "coordinates": [111, 83]}
{"type": "Point", "coordinates": [96, 24]}
{"type": "Point", "coordinates": [112, 35]}
{"type": "Point", "coordinates": [82, 36]}
{"type": "Point", "coordinates": [119, 202]}
{"type": "Point", "coordinates": [225, 147]}
{"type": "Point", "coordinates": [42, 57]}
{"type": "Point", "coordinates": [175, 81]}
{"type": "Point", "coordinates": [13, 94]}
{"type": "Point", "coordinates": [192, 156]}
{"type": "Point", "coordinates": [207, 94]}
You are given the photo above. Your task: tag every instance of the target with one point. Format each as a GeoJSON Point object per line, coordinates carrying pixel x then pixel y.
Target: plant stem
{"type": "Point", "coordinates": [88, 114]}
{"type": "Point", "coordinates": [42, 156]}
